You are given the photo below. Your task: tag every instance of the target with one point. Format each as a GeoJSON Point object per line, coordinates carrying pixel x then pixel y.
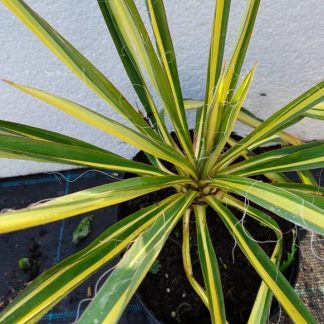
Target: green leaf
{"type": "Point", "coordinates": [43, 134]}
{"type": "Point", "coordinates": [307, 177]}
{"type": "Point", "coordinates": [77, 63]}
{"type": "Point", "coordinates": [267, 270]}
{"type": "Point", "coordinates": [218, 137]}
{"type": "Point", "coordinates": [276, 122]}
{"type": "Point", "coordinates": [116, 292]}
{"type": "Point", "coordinates": [317, 112]}
{"type": "Point", "coordinates": [131, 28]}
{"type": "Point", "coordinates": [241, 46]}
{"type": "Point", "coordinates": [279, 201]}
{"type": "Point", "coordinates": [215, 62]}
{"type": "Point", "coordinates": [54, 284]}
{"type": "Point", "coordinates": [210, 269]}
{"type": "Point", "coordinates": [293, 158]}
{"type": "Point", "coordinates": [85, 201]}
{"type": "Point", "coordinates": [156, 267]}
{"type": "Point", "coordinates": [68, 154]}
{"type": "Point", "coordinates": [291, 255]}
{"type": "Point", "coordinates": [24, 264]}
{"type": "Point", "coordinates": [82, 230]}
{"type": "Point", "coordinates": [134, 72]}
{"type": "Point", "coordinates": [146, 143]}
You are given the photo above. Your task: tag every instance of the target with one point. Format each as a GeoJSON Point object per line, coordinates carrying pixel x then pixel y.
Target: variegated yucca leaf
{"type": "Point", "coordinates": [206, 166]}
{"type": "Point", "coordinates": [68, 154]}
{"type": "Point", "coordinates": [229, 116]}
{"type": "Point", "coordinates": [276, 122]}
{"type": "Point", "coordinates": [247, 117]}
{"type": "Point", "coordinates": [165, 49]}
{"type": "Point", "coordinates": [209, 267]}
{"type": "Point", "coordinates": [269, 273]}
{"type": "Point", "coordinates": [117, 291]}
{"type": "Point", "coordinates": [186, 256]}
{"type": "Point", "coordinates": [314, 195]}
{"type": "Point", "coordinates": [216, 53]}
{"type": "Point", "coordinates": [241, 46]}
{"type": "Point", "coordinates": [133, 73]}
{"type": "Point", "coordinates": [50, 287]}
{"type": "Point", "coordinates": [76, 62]}
{"type": "Point", "coordinates": [253, 212]}
{"type": "Point", "coordinates": [131, 28]}
{"type": "Point", "coordinates": [10, 128]}
{"type": "Point", "coordinates": [262, 304]}
{"type": "Point", "coordinates": [85, 201]}
{"type": "Point", "coordinates": [293, 158]}
{"type": "Point", "coordinates": [301, 187]}
{"type": "Point", "coordinates": [277, 200]}
{"type": "Point", "coordinates": [136, 77]}
{"type": "Point", "coordinates": [317, 112]}
{"type": "Point", "coordinates": [148, 144]}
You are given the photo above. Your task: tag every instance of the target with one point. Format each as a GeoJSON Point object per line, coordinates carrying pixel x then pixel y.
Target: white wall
{"type": "Point", "coordinates": [288, 43]}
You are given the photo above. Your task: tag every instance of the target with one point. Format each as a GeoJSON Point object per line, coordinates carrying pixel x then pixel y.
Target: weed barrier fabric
{"type": "Point", "coordinates": [47, 245]}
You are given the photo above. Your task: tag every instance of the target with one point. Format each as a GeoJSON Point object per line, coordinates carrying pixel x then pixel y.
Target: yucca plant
{"type": "Point", "coordinates": [205, 173]}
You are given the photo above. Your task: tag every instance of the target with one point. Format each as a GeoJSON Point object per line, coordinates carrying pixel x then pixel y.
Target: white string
{"type": "Point", "coordinates": [113, 175]}
{"type": "Point", "coordinates": [312, 240]}
{"type": "Point", "coordinates": [79, 309]}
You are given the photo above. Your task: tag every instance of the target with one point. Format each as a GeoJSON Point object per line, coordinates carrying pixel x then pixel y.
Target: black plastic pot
{"type": "Point", "coordinates": [291, 275]}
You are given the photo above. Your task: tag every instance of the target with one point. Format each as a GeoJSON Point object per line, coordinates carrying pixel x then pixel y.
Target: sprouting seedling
{"type": "Point", "coordinates": [82, 230]}
{"type": "Point", "coordinates": [156, 267]}
{"type": "Point", "coordinates": [290, 254]}
{"type": "Point", "coordinates": [24, 264]}
{"type": "Point", "coordinates": [223, 263]}
{"type": "Point", "coordinates": [176, 234]}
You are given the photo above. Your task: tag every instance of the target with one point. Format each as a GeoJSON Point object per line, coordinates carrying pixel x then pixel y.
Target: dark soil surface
{"type": "Point", "coordinates": [167, 290]}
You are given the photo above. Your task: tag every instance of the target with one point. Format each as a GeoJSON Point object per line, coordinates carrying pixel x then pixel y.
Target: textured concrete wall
{"type": "Point", "coordinates": [288, 43]}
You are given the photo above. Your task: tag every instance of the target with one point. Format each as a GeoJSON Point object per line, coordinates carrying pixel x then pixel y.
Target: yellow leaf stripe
{"type": "Point", "coordinates": [40, 285]}
{"type": "Point", "coordinates": [78, 64]}
{"type": "Point", "coordinates": [279, 201]}
{"type": "Point", "coordinates": [268, 272]}
{"type": "Point", "coordinates": [131, 270]}
{"type": "Point", "coordinates": [275, 122]}
{"type": "Point", "coordinates": [110, 126]}
{"type": "Point", "coordinates": [241, 46]}
{"type": "Point", "coordinates": [137, 40]}
{"type": "Point", "coordinates": [214, 74]}
{"type": "Point", "coordinates": [210, 268]}
{"type": "Point", "coordinates": [67, 154]}
{"type": "Point", "coordinates": [85, 201]}
{"type": "Point", "coordinates": [187, 259]}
